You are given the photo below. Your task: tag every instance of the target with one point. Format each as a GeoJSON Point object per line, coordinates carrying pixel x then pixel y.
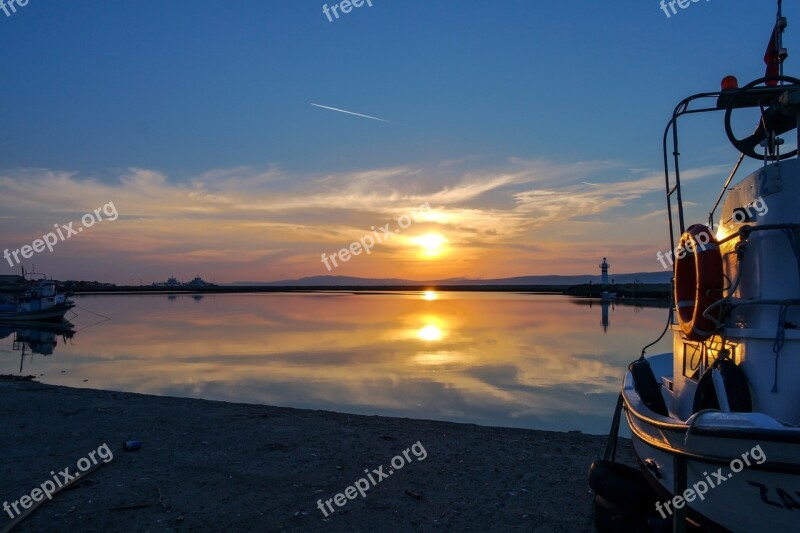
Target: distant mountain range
{"type": "Point", "coordinates": [335, 281]}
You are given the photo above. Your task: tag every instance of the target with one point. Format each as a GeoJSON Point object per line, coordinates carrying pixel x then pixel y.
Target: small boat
{"type": "Point", "coordinates": [40, 302]}
{"type": "Point", "coordinates": [715, 423]}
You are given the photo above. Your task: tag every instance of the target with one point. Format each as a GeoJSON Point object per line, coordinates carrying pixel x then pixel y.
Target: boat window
{"type": "Point", "coordinates": [692, 359]}
{"type": "Point", "coordinates": [697, 356]}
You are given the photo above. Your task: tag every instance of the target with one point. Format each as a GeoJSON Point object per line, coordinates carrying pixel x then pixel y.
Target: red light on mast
{"type": "Point", "coordinates": [730, 83]}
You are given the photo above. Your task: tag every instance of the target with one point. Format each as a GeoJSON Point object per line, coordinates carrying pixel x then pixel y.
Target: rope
{"type": "Point", "coordinates": [693, 420]}
{"type": "Point", "coordinates": [666, 327]}
{"type": "Point", "coordinates": [780, 339]}
{"type": "Point", "coordinates": [105, 318]}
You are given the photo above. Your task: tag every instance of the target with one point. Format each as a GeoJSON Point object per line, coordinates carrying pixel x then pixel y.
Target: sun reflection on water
{"type": "Point", "coordinates": [496, 359]}
{"type": "Point", "coordinates": [430, 333]}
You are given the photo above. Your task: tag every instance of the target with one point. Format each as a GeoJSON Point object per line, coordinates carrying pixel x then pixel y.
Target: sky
{"type": "Point", "coordinates": [499, 139]}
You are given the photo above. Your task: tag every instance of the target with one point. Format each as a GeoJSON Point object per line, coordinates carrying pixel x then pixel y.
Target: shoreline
{"type": "Point", "coordinates": [658, 295]}
{"type": "Point", "coordinates": [539, 289]}
{"type": "Point", "coordinates": [214, 464]}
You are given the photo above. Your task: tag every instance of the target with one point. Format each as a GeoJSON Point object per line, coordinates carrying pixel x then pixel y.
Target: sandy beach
{"type": "Point", "coordinates": [207, 465]}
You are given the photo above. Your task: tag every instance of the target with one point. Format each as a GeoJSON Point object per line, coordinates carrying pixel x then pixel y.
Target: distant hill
{"type": "Point", "coordinates": [334, 281]}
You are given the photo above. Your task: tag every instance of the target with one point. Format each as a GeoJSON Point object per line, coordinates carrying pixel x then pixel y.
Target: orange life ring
{"type": "Point", "coordinates": [699, 282]}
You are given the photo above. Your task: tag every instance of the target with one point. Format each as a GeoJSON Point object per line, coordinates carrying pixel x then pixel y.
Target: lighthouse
{"type": "Point", "coordinates": [604, 269]}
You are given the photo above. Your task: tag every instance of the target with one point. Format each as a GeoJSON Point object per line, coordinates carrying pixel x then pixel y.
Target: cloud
{"type": "Point", "coordinates": [256, 224]}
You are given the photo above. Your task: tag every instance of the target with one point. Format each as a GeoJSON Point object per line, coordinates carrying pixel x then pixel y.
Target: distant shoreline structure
{"type": "Point", "coordinates": [646, 278]}
{"type": "Point", "coordinates": [634, 285]}
{"type": "Point", "coordinates": [173, 283]}
{"type": "Point", "coordinates": [624, 291]}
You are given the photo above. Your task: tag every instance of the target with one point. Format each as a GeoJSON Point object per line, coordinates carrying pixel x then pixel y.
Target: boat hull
{"type": "Point", "coordinates": [51, 314]}
{"type": "Point", "coordinates": [742, 470]}
{"type": "Point", "coordinates": [739, 501]}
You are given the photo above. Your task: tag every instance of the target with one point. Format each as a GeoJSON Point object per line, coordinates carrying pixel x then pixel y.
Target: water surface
{"type": "Point", "coordinates": [517, 360]}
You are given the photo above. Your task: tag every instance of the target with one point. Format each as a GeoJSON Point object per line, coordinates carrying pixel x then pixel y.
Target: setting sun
{"type": "Point", "coordinates": [431, 243]}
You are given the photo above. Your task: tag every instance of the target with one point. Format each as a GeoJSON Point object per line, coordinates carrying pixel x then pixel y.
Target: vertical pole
{"type": "Point", "coordinates": [666, 185]}
{"type": "Point", "coordinates": [676, 154]}
{"type": "Point", "coordinates": [780, 34]}
{"type": "Point", "coordinates": [611, 444]}
{"type": "Point", "coordinates": [679, 486]}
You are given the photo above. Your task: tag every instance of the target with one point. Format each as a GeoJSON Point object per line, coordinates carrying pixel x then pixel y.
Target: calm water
{"type": "Point", "coordinates": [532, 361]}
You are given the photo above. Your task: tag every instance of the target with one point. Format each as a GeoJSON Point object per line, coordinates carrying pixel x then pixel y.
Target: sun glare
{"type": "Point", "coordinates": [431, 243]}
{"type": "Point", "coordinates": [430, 295]}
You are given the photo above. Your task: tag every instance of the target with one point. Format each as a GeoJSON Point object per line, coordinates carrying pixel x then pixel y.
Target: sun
{"type": "Point", "coordinates": [431, 243]}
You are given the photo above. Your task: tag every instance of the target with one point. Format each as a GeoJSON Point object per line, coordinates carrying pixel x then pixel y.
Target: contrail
{"type": "Point", "coordinates": [592, 184]}
{"type": "Point", "coordinates": [350, 113]}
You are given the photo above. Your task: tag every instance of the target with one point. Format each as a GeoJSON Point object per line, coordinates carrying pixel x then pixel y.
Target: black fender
{"type": "Point", "coordinates": [622, 485]}
{"type": "Point", "coordinates": [644, 381]}
{"type": "Point", "coordinates": [612, 518]}
{"type": "Point", "coordinates": [736, 387]}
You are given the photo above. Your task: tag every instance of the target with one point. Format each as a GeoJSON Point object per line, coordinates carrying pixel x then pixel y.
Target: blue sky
{"type": "Point", "coordinates": [195, 118]}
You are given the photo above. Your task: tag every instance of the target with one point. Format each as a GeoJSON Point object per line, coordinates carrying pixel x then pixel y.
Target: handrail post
{"type": "Point", "coordinates": [676, 154]}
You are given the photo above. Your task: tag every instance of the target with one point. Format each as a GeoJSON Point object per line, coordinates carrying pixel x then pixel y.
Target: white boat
{"type": "Point", "coordinates": [716, 423]}
{"type": "Point", "coordinates": [40, 302]}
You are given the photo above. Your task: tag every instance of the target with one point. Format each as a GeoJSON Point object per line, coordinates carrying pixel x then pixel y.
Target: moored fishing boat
{"type": "Point", "coordinates": [716, 423]}
{"type": "Point", "coordinates": [40, 302]}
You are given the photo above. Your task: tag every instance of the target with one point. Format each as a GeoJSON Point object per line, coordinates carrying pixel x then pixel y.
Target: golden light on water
{"type": "Point", "coordinates": [430, 333]}
{"type": "Point", "coordinates": [430, 295]}
{"type": "Point", "coordinates": [506, 352]}
{"type": "Point", "coordinates": [437, 358]}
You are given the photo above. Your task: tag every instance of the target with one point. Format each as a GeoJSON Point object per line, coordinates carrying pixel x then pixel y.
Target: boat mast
{"type": "Point", "coordinates": [782, 52]}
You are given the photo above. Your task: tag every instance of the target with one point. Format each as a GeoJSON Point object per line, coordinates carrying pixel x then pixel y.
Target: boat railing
{"type": "Point", "coordinates": [731, 97]}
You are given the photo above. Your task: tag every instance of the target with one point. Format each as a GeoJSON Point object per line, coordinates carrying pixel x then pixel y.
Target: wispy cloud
{"type": "Point", "coordinates": [515, 218]}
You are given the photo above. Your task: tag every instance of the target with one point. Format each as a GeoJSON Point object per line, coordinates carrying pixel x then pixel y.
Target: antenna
{"type": "Point", "coordinates": [781, 26]}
